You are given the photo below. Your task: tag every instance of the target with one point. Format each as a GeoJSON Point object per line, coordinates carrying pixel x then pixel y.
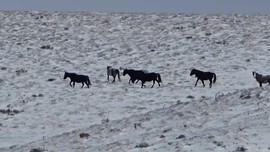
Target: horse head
{"type": "Point", "coordinates": [192, 72]}
{"type": "Point", "coordinates": [124, 72]}
{"type": "Point", "coordinates": [109, 67]}
{"type": "Point", "coordinates": [65, 75]}
{"type": "Point", "coordinates": [255, 74]}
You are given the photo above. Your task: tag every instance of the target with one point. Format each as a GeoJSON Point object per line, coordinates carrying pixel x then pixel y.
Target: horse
{"type": "Point", "coordinates": [133, 74]}
{"type": "Point", "coordinates": [113, 72]}
{"type": "Point", "coordinates": [150, 77]}
{"type": "Point", "coordinates": [204, 76]}
{"type": "Point", "coordinates": [77, 78]}
{"type": "Point", "coordinates": [260, 78]}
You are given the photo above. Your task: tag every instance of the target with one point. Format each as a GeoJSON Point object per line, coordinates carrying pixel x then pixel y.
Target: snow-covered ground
{"type": "Point", "coordinates": [36, 47]}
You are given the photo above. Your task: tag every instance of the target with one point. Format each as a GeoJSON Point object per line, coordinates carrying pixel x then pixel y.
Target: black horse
{"type": "Point", "coordinates": [150, 77]}
{"type": "Point", "coordinates": [260, 78]}
{"type": "Point", "coordinates": [203, 76]}
{"type": "Point", "coordinates": [113, 72]}
{"type": "Point", "coordinates": [133, 74]}
{"type": "Point", "coordinates": [77, 78]}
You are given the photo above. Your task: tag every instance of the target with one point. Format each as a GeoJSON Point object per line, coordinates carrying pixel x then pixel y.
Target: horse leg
{"type": "Point", "coordinates": [107, 77]}
{"type": "Point", "coordinates": [158, 83]}
{"type": "Point", "coordinates": [113, 79]}
{"type": "Point", "coordinates": [82, 85]}
{"type": "Point", "coordinates": [143, 84]}
{"type": "Point", "coordinates": [153, 83]}
{"type": "Point", "coordinates": [210, 85]}
{"type": "Point", "coordinates": [70, 83]}
{"type": "Point", "coordinates": [260, 84]}
{"type": "Point", "coordinates": [196, 82]}
{"type": "Point", "coordinates": [203, 83]}
{"type": "Point", "coordinates": [87, 83]}
{"type": "Point", "coordinates": [73, 84]}
{"type": "Point", "coordinates": [119, 77]}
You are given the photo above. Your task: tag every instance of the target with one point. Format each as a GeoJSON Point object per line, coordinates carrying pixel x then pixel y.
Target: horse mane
{"type": "Point", "coordinates": [196, 70]}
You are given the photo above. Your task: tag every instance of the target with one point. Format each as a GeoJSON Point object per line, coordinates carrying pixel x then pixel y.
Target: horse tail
{"type": "Point", "coordinates": [88, 81]}
{"type": "Point", "coordinates": [159, 77]}
{"type": "Point", "coordinates": [215, 77]}
{"type": "Point", "coordinates": [118, 73]}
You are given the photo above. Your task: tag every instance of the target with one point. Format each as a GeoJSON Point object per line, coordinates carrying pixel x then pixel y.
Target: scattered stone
{"type": "Point", "coordinates": [241, 149]}
{"type": "Point", "coordinates": [137, 125]}
{"type": "Point", "coordinates": [190, 97]}
{"type": "Point", "coordinates": [37, 150]}
{"type": "Point", "coordinates": [181, 137]}
{"type": "Point", "coordinates": [245, 96]}
{"type": "Point", "coordinates": [39, 17]}
{"type": "Point", "coordinates": [48, 47]}
{"type": "Point", "coordinates": [162, 136]}
{"type": "Point", "coordinates": [189, 37]}
{"type": "Point", "coordinates": [219, 143]}
{"type": "Point", "coordinates": [178, 28]}
{"type": "Point", "coordinates": [142, 145]}
{"type": "Point", "coordinates": [51, 79]}
{"type": "Point", "coordinates": [178, 102]}
{"type": "Point", "coordinates": [222, 42]}
{"type": "Point", "coordinates": [39, 95]}
{"type": "Point", "coordinates": [105, 120]}
{"type": "Point", "coordinates": [3, 68]}
{"type": "Point", "coordinates": [84, 135]}
{"type": "Point", "coordinates": [208, 33]}
{"type": "Point", "coordinates": [18, 72]}
{"type": "Point", "coordinates": [9, 111]}
{"type": "Point", "coordinates": [114, 130]}
{"type": "Point", "coordinates": [167, 130]}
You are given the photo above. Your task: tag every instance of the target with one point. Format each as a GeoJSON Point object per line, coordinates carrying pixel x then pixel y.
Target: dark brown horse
{"type": "Point", "coordinates": [150, 77]}
{"type": "Point", "coordinates": [77, 78]}
{"type": "Point", "coordinates": [133, 74]}
{"type": "Point", "coordinates": [203, 76]}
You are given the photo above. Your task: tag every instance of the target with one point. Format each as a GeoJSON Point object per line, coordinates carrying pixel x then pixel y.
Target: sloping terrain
{"type": "Point", "coordinates": [41, 110]}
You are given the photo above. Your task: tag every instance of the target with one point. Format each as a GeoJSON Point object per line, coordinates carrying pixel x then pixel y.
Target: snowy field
{"type": "Point", "coordinates": [39, 111]}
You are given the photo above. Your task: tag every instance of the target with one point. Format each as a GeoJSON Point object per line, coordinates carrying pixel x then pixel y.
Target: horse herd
{"type": "Point", "coordinates": [144, 76]}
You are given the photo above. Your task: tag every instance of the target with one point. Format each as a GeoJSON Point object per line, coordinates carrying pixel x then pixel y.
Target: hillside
{"type": "Point", "coordinates": [41, 110]}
